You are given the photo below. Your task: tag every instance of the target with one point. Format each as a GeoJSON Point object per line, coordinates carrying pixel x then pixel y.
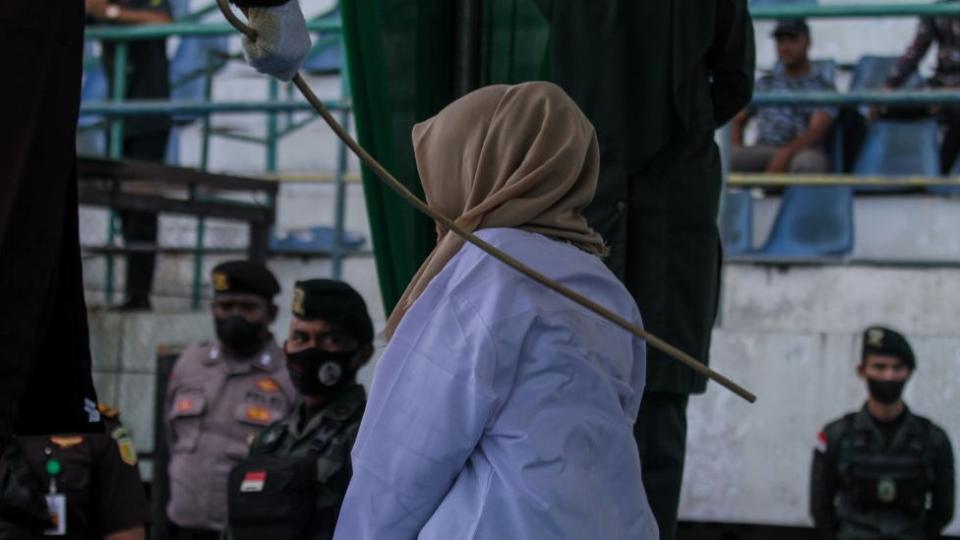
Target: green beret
{"type": "Point", "coordinates": [244, 277]}
{"type": "Point", "coordinates": [881, 340]}
{"type": "Point", "coordinates": [335, 302]}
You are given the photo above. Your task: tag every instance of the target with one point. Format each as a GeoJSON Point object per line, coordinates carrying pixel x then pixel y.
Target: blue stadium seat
{"type": "Point", "coordinates": [812, 222]}
{"type": "Point", "coordinates": [949, 190]}
{"type": "Point", "coordinates": [313, 241]}
{"type": "Point", "coordinates": [899, 148]}
{"type": "Point", "coordinates": [871, 73]}
{"type": "Point", "coordinates": [326, 53]}
{"type": "Point", "coordinates": [736, 222]}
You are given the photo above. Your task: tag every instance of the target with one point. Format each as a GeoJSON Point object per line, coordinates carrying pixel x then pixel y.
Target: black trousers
{"type": "Point", "coordinates": [661, 433]}
{"type": "Point", "coordinates": [138, 226]}
{"type": "Point", "coordinates": [661, 226]}
{"type": "Point", "coordinates": [45, 381]}
{"type": "Point", "coordinates": [950, 146]}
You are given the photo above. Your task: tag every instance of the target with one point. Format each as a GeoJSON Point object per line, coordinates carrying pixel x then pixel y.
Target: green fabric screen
{"type": "Point", "coordinates": [400, 58]}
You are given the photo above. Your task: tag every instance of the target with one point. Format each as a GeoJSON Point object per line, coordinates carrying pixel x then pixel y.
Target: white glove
{"type": "Point", "coordinates": [282, 40]}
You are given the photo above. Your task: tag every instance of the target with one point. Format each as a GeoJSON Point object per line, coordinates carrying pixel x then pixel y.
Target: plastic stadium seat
{"type": "Point", "coordinates": [736, 222]}
{"type": "Point", "coordinates": [812, 222]}
{"type": "Point", "coordinates": [313, 241]}
{"type": "Point", "coordinates": [326, 54]}
{"type": "Point", "coordinates": [951, 190]}
{"type": "Point", "coordinates": [899, 148]}
{"type": "Point", "coordinates": [871, 73]}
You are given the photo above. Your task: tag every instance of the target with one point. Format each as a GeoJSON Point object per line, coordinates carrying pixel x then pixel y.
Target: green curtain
{"type": "Point", "coordinates": [400, 59]}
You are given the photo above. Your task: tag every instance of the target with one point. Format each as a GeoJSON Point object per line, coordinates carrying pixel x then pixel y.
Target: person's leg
{"type": "Point", "coordinates": [672, 271]}
{"type": "Point", "coordinates": [750, 158]}
{"type": "Point", "coordinates": [45, 380]}
{"type": "Point", "coordinates": [141, 227]}
{"type": "Point", "coordinates": [809, 161]}
{"type": "Point", "coordinates": [661, 429]}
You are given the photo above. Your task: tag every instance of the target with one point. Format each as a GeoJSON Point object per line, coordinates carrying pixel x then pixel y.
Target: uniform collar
{"type": "Point", "coordinates": [865, 422]}
{"type": "Point", "coordinates": [268, 359]}
{"type": "Point", "coordinates": [340, 409]}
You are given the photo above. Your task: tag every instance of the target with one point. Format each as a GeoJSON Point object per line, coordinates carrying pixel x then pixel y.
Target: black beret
{"type": "Point", "coordinates": [881, 340]}
{"type": "Point", "coordinates": [244, 277]}
{"type": "Point", "coordinates": [335, 302]}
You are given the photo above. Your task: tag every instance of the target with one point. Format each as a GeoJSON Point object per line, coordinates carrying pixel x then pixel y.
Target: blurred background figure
{"type": "Point", "coordinates": [883, 472]}
{"type": "Point", "coordinates": [945, 32]}
{"type": "Point", "coordinates": [789, 138]}
{"type": "Point", "coordinates": [294, 481]}
{"type": "Point", "coordinates": [145, 137]}
{"type": "Point", "coordinates": [89, 483]}
{"type": "Point", "coordinates": [220, 396]}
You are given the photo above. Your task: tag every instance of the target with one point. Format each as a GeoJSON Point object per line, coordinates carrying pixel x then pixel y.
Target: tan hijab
{"type": "Point", "coordinates": [521, 156]}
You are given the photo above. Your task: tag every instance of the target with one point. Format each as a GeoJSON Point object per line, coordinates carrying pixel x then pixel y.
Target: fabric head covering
{"type": "Point", "coordinates": [521, 156]}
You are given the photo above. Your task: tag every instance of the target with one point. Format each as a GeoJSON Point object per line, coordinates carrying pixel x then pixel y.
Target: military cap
{"type": "Point", "coordinates": [791, 27]}
{"type": "Point", "coordinates": [244, 277]}
{"type": "Point", "coordinates": [335, 302]}
{"type": "Point", "coordinates": [881, 340]}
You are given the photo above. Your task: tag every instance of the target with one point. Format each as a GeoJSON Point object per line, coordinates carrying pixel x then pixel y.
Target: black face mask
{"type": "Point", "coordinates": [316, 372]}
{"type": "Point", "coordinates": [885, 392]}
{"type": "Point", "coordinates": [239, 335]}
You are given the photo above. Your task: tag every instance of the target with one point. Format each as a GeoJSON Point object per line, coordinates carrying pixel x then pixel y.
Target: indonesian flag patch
{"type": "Point", "coordinates": [253, 482]}
{"type": "Point", "coordinates": [821, 445]}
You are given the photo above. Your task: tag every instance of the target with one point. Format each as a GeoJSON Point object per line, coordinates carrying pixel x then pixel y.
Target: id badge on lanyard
{"type": "Point", "coordinates": [57, 506]}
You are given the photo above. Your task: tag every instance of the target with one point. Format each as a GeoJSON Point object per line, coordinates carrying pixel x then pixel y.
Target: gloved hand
{"type": "Point", "coordinates": [282, 40]}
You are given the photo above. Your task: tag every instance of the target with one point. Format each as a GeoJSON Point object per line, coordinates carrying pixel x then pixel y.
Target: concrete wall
{"type": "Point", "coordinates": [793, 336]}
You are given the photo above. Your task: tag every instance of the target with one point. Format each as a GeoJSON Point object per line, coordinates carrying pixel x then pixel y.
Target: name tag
{"type": "Point", "coordinates": [253, 482]}
{"type": "Point", "coordinates": [57, 506]}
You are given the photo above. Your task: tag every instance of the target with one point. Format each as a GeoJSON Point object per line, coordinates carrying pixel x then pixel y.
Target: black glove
{"type": "Point", "coordinates": [22, 503]}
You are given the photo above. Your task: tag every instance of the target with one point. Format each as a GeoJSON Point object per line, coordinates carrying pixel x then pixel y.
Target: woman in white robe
{"type": "Point", "coordinates": [499, 409]}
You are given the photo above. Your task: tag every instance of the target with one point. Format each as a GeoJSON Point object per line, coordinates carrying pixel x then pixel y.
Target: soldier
{"type": "Point", "coordinates": [295, 479]}
{"type": "Point", "coordinates": [91, 484]}
{"type": "Point", "coordinates": [220, 396]}
{"type": "Point", "coordinates": [883, 472]}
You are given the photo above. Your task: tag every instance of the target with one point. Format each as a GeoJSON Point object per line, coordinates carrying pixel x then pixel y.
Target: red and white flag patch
{"type": "Point", "coordinates": [253, 482]}
{"type": "Point", "coordinates": [821, 445]}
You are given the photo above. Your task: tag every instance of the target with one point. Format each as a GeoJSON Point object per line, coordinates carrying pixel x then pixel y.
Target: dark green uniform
{"type": "Point", "coordinates": [656, 78]}
{"type": "Point", "coordinates": [879, 481]}
{"type": "Point", "coordinates": [258, 509]}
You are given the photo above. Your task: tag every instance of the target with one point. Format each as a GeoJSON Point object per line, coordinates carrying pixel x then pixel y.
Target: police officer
{"type": "Point", "coordinates": [882, 473]}
{"type": "Point", "coordinates": [292, 485]}
{"type": "Point", "coordinates": [220, 396]}
{"type": "Point", "coordinates": [90, 482]}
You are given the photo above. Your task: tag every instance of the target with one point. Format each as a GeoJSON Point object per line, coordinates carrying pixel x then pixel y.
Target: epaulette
{"type": "Point", "coordinates": [108, 411]}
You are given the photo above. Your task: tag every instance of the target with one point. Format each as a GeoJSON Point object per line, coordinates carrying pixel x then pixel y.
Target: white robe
{"type": "Point", "coordinates": [501, 410]}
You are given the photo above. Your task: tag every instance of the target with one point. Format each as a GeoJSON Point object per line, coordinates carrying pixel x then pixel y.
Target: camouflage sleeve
{"type": "Point", "coordinates": [944, 488]}
{"type": "Point", "coordinates": [926, 32]}
{"type": "Point", "coordinates": [824, 483]}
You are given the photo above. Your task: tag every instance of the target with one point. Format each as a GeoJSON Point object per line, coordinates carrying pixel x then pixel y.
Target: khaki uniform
{"type": "Point", "coordinates": [216, 405]}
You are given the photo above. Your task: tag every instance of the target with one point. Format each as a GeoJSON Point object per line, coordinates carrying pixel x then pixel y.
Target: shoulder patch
{"type": "Point", "coordinates": [127, 452]}
{"type": "Point", "coordinates": [66, 442]}
{"type": "Point", "coordinates": [821, 445]}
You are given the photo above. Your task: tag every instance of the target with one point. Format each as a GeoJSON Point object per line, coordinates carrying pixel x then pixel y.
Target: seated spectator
{"type": "Point", "coordinates": [945, 31]}
{"type": "Point", "coordinates": [790, 138]}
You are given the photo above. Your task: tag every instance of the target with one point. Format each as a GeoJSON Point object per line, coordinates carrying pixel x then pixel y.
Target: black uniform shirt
{"type": "Point", "coordinates": [857, 435]}
{"type": "Point", "coordinates": [98, 477]}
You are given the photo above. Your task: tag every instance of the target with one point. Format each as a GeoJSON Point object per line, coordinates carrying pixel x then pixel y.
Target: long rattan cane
{"type": "Point", "coordinates": [414, 201]}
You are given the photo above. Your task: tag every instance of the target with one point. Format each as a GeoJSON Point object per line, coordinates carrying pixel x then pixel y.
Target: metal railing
{"type": "Point", "coordinates": [117, 109]}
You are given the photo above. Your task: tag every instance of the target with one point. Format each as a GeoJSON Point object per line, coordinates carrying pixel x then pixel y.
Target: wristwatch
{"type": "Point", "coordinates": [112, 12]}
